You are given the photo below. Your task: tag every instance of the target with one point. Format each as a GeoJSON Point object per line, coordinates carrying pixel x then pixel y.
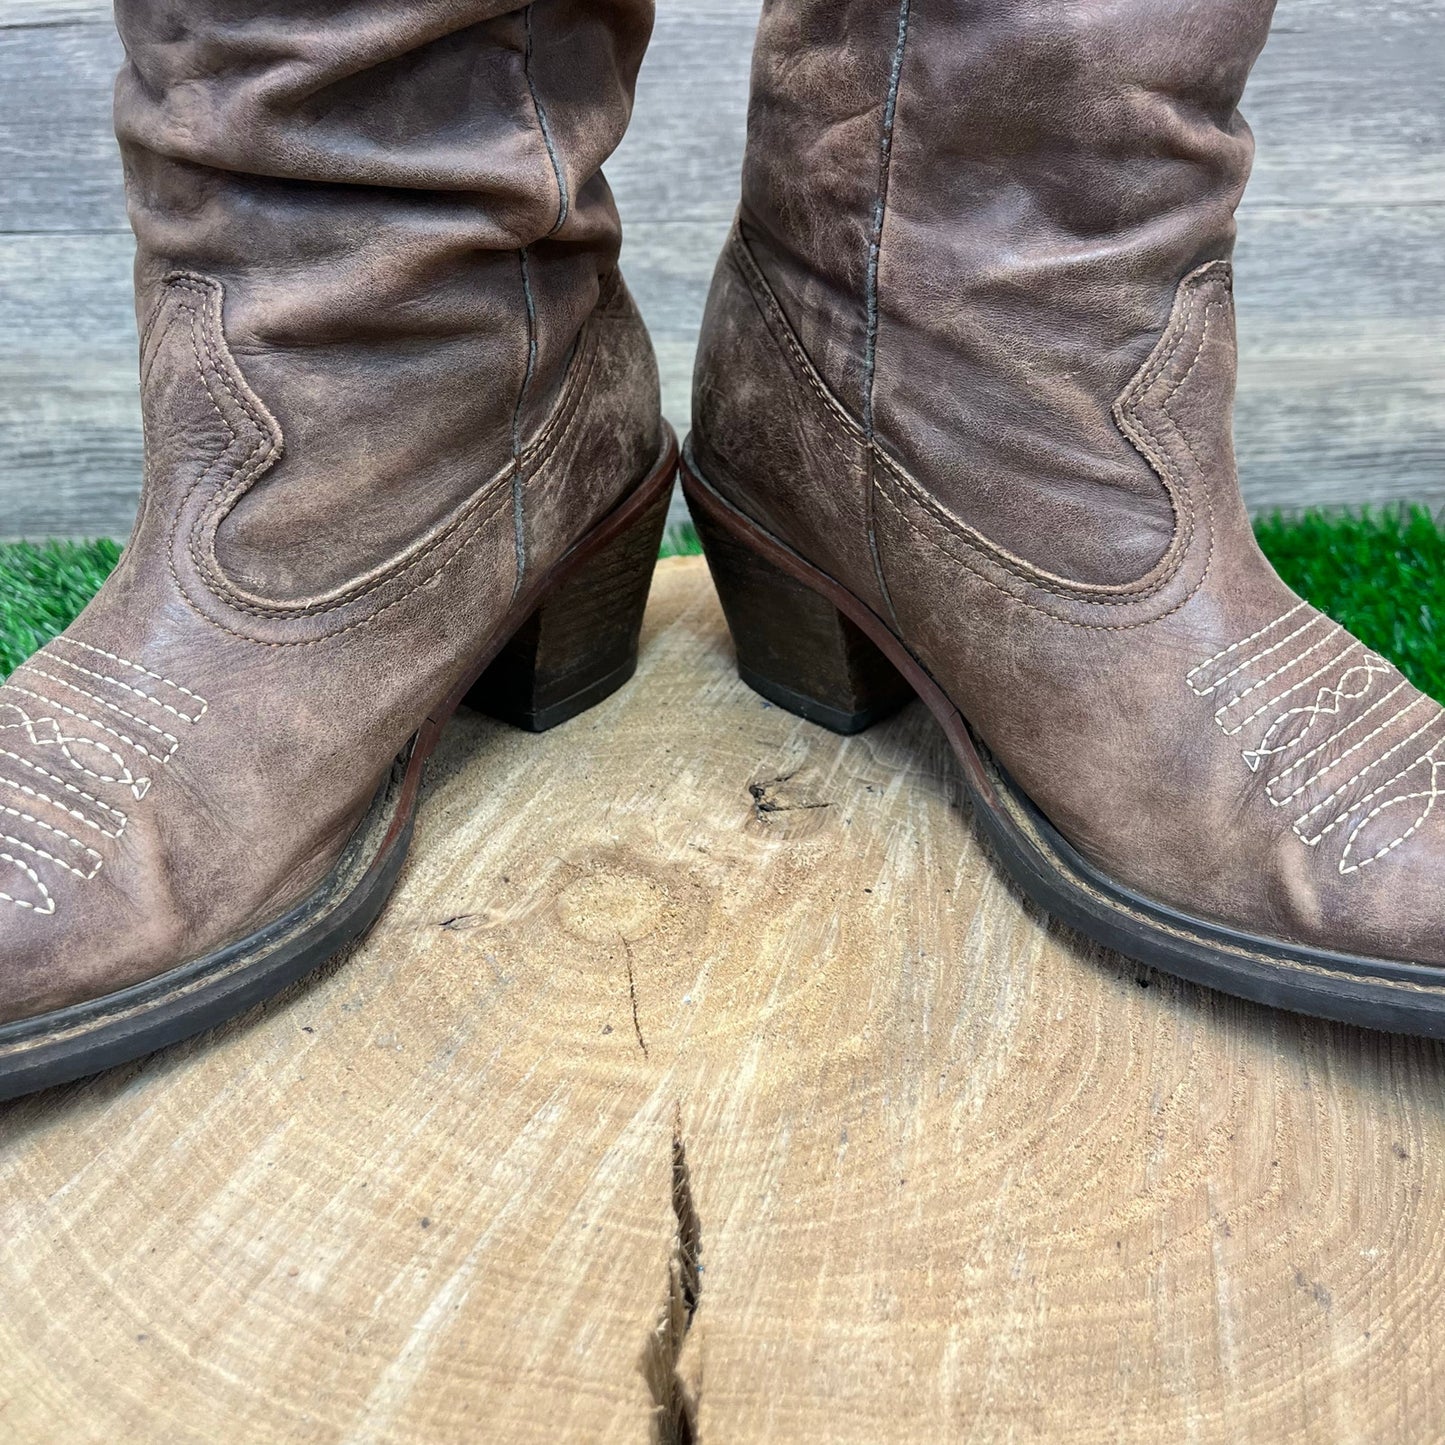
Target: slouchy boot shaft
{"type": "Point", "coordinates": [963, 423]}
{"type": "Point", "coordinates": [975, 217]}
{"type": "Point", "coordinates": [405, 207]}
{"type": "Point", "coordinates": [403, 447]}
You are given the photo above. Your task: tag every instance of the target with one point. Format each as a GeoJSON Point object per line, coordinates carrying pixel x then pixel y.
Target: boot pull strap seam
{"type": "Point", "coordinates": [468, 519]}
{"type": "Point", "coordinates": [1165, 351]}
{"type": "Point", "coordinates": [1144, 437]}
{"type": "Point", "coordinates": [977, 571]}
{"type": "Point", "coordinates": [765, 299]}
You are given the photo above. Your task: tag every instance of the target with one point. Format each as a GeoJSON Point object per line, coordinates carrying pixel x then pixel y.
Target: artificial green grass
{"type": "Point", "coordinates": [682, 541]}
{"type": "Point", "coordinates": [42, 587]}
{"type": "Point", "coordinates": [1380, 572]}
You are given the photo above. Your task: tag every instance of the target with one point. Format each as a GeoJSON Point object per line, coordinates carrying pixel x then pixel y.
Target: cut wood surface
{"type": "Point", "coordinates": [705, 1076]}
{"type": "Point", "coordinates": [1341, 267]}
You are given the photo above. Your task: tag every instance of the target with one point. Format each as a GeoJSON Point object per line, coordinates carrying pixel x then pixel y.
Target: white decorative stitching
{"type": "Point", "coordinates": [1350, 783]}
{"type": "Point", "coordinates": [61, 782]}
{"type": "Point", "coordinates": [1326, 704]}
{"type": "Point", "coordinates": [139, 786]}
{"type": "Point", "coordinates": [202, 704]}
{"type": "Point", "coordinates": [46, 731]}
{"type": "Point", "coordinates": [59, 833]}
{"type": "Point", "coordinates": [49, 904]}
{"type": "Point", "coordinates": [1250, 661]}
{"type": "Point", "coordinates": [1430, 795]}
{"type": "Point", "coordinates": [1355, 684]}
{"type": "Point", "coordinates": [1345, 815]}
{"type": "Point", "coordinates": [116, 682]}
{"type": "Point", "coordinates": [101, 702]}
{"type": "Point", "coordinates": [40, 797]}
{"type": "Point", "coordinates": [1235, 646]}
{"type": "Point", "coordinates": [50, 857]}
{"type": "Point", "coordinates": [1278, 698]}
{"type": "Point", "coordinates": [1283, 668]}
{"type": "Point", "coordinates": [82, 717]}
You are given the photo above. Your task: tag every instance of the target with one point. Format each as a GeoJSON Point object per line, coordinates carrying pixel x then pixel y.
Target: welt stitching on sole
{"type": "Point", "coordinates": [1279, 962]}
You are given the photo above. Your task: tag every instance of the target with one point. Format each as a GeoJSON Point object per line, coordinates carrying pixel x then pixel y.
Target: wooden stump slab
{"type": "Point", "coordinates": [705, 1081]}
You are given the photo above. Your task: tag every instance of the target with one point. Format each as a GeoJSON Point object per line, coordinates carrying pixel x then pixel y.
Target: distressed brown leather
{"type": "Point", "coordinates": [389, 372]}
{"type": "Point", "coordinates": [971, 352]}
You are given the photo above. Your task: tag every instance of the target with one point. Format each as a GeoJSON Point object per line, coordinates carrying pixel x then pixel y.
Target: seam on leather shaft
{"type": "Point", "coordinates": [476, 519]}
{"type": "Point", "coordinates": [267, 429]}
{"type": "Point", "coordinates": [464, 522]}
{"type": "Point", "coordinates": [536, 454]}
{"type": "Point", "coordinates": [870, 494]}
{"type": "Point", "coordinates": [1150, 445]}
{"type": "Point", "coordinates": [564, 200]}
{"type": "Point", "coordinates": [870, 340]}
{"type": "Point", "coordinates": [210, 289]}
{"type": "Point", "coordinates": [148, 361]}
{"type": "Point", "coordinates": [464, 527]}
{"type": "Point", "coordinates": [152, 316]}
{"type": "Point", "coordinates": [1157, 451]}
{"type": "Point", "coordinates": [880, 209]}
{"type": "Point", "coordinates": [1161, 455]}
{"type": "Point", "coordinates": [833, 414]}
{"type": "Point", "coordinates": [1034, 606]}
{"type": "Point", "coordinates": [575, 383]}
{"type": "Point", "coordinates": [763, 298]}
{"type": "Point", "coordinates": [518, 474]}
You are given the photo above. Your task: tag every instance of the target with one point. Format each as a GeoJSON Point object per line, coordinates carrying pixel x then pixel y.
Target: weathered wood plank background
{"type": "Point", "coordinates": [1341, 260]}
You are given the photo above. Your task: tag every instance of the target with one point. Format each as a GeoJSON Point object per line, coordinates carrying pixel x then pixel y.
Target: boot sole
{"type": "Point", "coordinates": [1376, 993]}
{"type": "Point", "coordinates": [86, 1038]}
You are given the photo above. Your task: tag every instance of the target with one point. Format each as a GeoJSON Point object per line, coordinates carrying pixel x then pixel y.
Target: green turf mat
{"type": "Point", "coordinates": [682, 541]}
{"type": "Point", "coordinates": [1380, 572]}
{"type": "Point", "coordinates": [43, 586]}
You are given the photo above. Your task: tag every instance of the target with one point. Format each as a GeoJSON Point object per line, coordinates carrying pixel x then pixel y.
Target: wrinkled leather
{"type": "Point", "coordinates": [389, 373]}
{"type": "Point", "coordinates": [1026, 466]}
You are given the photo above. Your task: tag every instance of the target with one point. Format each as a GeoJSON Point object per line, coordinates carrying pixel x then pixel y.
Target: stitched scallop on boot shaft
{"type": "Point", "coordinates": [964, 397]}
{"type": "Point", "coordinates": [402, 431]}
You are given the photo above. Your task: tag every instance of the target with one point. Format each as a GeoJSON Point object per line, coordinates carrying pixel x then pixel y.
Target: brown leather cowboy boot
{"type": "Point", "coordinates": [403, 447]}
{"type": "Point", "coordinates": [963, 428]}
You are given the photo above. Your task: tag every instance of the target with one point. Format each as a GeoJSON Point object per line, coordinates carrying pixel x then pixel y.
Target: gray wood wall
{"type": "Point", "coordinates": [1341, 259]}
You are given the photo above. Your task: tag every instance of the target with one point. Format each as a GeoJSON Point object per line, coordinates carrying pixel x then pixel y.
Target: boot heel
{"type": "Point", "coordinates": [794, 647]}
{"type": "Point", "coordinates": [580, 645]}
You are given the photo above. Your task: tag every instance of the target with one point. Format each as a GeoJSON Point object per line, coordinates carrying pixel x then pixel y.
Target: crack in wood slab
{"type": "Point", "coordinates": [632, 995]}
{"type": "Point", "coordinates": [675, 1401]}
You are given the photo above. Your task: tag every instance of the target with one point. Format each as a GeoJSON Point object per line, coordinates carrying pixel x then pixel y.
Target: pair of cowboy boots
{"type": "Point", "coordinates": [962, 430]}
